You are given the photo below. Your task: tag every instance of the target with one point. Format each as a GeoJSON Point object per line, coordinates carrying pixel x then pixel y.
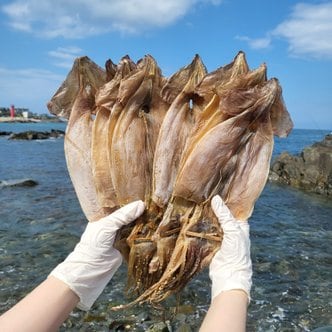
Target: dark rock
{"type": "Point", "coordinates": [55, 133]}
{"type": "Point", "coordinates": [327, 328]}
{"type": "Point", "coordinates": [185, 309]}
{"type": "Point", "coordinates": [184, 328]}
{"type": "Point", "coordinates": [32, 134]}
{"type": "Point", "coordinates": [94, 318]}
{"type": "Point", "coordinates": [310, 171]}
{"type": "Point", "coordinates": [180, 317]}
{"type": "Point", "coordinates": [5, 133]}
{"type": "Point", "coordinates": [18, 183]}
{"type": "Point", "coordinates": [143, 316]}
{"type": "Point", "coordinates": [118, 326]}
{"type": "Point", "coordinates": [158, 327]}
{"type": "Point", "coordinates": [121, 324]}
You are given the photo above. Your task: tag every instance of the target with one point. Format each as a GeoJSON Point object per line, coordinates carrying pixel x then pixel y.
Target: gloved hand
{"type": "Point", "coordinates": [91, 265]}
{"type": "Point", "coordinates": [231, 266]}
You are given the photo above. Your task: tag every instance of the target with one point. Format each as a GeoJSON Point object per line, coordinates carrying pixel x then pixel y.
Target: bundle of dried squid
{"type": "Point", "coordinates": [173, 143]}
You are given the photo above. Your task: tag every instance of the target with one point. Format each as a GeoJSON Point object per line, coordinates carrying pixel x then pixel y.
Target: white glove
{"type": "Point", "coordinates": [91, 265]}
{"type": "Point", "coordinates": [231, 267]}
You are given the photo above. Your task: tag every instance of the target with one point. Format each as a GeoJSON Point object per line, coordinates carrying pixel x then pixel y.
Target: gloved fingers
{"type": "Point", "coordinates": [231, 268]}
{"type": "Point", "coordinates": [101, 233]}
{"type": "Point", "coordinates": [221, 210]}
{"type": "Point", "coordinates": [225, 216]}
{"type": "Point", "coordinates": [125, 215]}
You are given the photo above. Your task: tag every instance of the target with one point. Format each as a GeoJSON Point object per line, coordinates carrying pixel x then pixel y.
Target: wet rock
{"type": "Point", "coordinates": [131, 322]}
{"type": "Point", "coordinates": [181, 318]}
{"type": "Point", "coordinates": [18, 183]}
{"type": "Point", "coordinates": [32, 134]}
{"type": "Point", "coordinates": [143, 316]}
{"type": "Point", "coordinates": [119, 325]}
{"type": "Point", "coordinates": [295, 291]}
{"type": "Point", "coordinates": [327, 328]}
{"type": "Point", "coordinates": [5, 133]}
{"type": "Point", "coordinates": [310, 171]}
{"type": "Point", "coordinates": [94, 318]}
{"type": "Point", "coordinates": [263, 267]}
{"type": "Point", "coordinates": [184, 328]}
{"type": "Point", "coordinates": [158, 327]}
{"type": "Point", "coordinates": [185, 309]}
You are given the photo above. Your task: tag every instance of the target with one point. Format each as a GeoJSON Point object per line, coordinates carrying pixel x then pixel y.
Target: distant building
{"type": "Point", "coordinates": [19, 112]}
{"type": "Point", "coordinates": [12, 111]}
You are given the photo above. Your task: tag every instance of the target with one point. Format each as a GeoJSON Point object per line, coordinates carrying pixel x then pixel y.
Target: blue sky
{"type": "Point", "coordinates": [40, 39]}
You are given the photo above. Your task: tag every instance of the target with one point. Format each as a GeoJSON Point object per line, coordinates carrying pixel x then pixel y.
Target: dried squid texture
{"type": "Point", "coordinates": [78, 156]}
{"type": "Point", "coordinates": [100, 160]}
{"type": "Point", "coordinates": [176, 83]}
{"type": "Point", "coordinates": [128, 84]}
{"type": "Point", "coordinates": [234, 75]}
{"type": "Point", "coordinates": [177, 213]}
{"type": "Point", "coordinates": [62, 101]}
{"type": "Point", "coordinates": [138, 127]}
{"type": "Point", "coordinates": [108, 93]}
{"type": "Point", "coordinates": [223, 75]}
{"type": "Point", "coordinates": [216, 137]}
{"type": "Point", "coordinates": [216, 112]}
{"type": "Point", "coordinates": [195, 246]}
{"type": "Point", "coordinates": [76, 96]}
{"type": "Point", "coordinates": [252, 169]}
{"type": "Point", "coordinates": [169, 149]}
{"type": "Point", "coordinates": [154, 115]}
{"type": "Point", "coordinates": [131, 152]}
{"type": "Point", "coordinates": [253, 164]}
{"type": "Point", "coordinates": [282, 123]}
{"type": "Point", "coordinates": [117, 93]}
{"type": "Point", "coordinates": [214, 160]}
{"type": "Point", "coordinates": [143, 246]}
{"type": "Point", "coordinates": [108, 111]}
{"type": "Point", "coordinates": [242, 175]}
{"type": "Point", "coordinates": [110, 69]}
{"type": "Point", "coordinates": [171, 142]}
{"type": "Point", "coordinates": [105, 119]}
{"type": "Point", "coordinates": [244, 164]}
{"type": "Point", "coordinates": [174, 131]}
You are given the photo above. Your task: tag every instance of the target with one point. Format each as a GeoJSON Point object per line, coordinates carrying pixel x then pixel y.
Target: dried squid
{"type": "Point", "coordinates": [173, 143]}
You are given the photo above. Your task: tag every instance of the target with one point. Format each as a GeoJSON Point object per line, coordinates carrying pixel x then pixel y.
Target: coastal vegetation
{"type": "Point", "coordinates": [25, 115]}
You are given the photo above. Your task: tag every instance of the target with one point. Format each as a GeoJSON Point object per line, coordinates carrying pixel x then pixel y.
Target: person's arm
{"type": "Point", "coordinates": [230, 272]}
{"type": "Point", "coordinates": [44, 309]}
{"type": "Point", "coordinates": [77, 281]}
{"type": "Point", "coordinates": [227, 312]}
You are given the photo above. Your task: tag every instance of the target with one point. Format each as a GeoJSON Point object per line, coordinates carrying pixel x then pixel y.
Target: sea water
{"type": "Point", "coordinates": [291, 236]}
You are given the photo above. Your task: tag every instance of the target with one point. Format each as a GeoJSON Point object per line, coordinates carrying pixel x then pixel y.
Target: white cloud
{"type": "Point", "coordinates": [257, 43]}
{"type": "Point", "coordinates": [28, 87]}
{"type": "Point", "coordinates": [64, 56]}
{"type": "Point", "coordinates": [308, 31]}
{"type": "Point", "coordinates": [81, 18]}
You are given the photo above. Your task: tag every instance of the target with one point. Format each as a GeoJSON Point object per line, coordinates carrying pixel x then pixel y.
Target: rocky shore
{"type": "Point", "coordinates": [32, 134]}
{"type": "Point", "coordinates": [18, 183]}
{"type": "Point", "coordinates": [7, 119]}
{"type": "Point", "coordinates": [311, 170]}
